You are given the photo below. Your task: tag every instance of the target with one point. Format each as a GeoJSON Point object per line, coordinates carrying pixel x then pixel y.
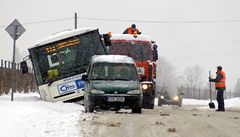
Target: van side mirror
{"type": "Point", "coordinates": [84, 77]}
{"type": "Point", "coordinates": [107, 39]}
{"type": "Point", "coordinates": [24, 67]}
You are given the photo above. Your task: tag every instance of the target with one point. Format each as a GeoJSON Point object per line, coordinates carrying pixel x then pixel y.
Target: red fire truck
{"type": "Point", "coordinates": [144, 51]}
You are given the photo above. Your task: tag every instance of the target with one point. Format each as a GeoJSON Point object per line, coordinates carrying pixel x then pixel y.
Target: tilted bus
{"type": "Point", "coordinates": [60, 60]}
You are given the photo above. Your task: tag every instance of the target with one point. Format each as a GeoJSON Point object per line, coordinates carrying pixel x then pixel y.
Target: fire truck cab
{"type": "Point", "coordinates": [144, 52]}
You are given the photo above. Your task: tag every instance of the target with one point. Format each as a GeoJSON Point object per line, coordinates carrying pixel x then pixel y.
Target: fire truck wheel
{"type": "Point", "coordinates": [151, 106]}
{"type": "Point", "coordinates": [159, 103]}
{"type": "Point", "coordinates": [180, 104]}
{"type": "Point", "coordinates": [137, 110]}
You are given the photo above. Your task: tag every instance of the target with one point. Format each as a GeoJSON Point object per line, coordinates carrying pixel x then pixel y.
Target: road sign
{"type": "Point", "coordinates": [15, 29]}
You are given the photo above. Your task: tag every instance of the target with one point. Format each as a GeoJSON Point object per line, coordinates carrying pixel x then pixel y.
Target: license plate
{"type": "Point", "coordinates": [116, 99]}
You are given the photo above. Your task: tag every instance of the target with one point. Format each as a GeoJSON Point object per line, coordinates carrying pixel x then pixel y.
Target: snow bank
{"type": "Point", "coordinates": [234, 102]}
{"type": "Point", "coordinates": [130, 37]}
{"type": "Point", "coordinates": [27, 116]}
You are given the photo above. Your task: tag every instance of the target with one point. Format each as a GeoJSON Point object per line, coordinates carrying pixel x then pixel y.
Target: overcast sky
{"type": "Point", "coordinates": [188, 32]}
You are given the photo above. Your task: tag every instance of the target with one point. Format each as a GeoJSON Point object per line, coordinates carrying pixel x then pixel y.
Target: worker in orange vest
{"type": "Point", "coordinates": [220, 86]}
{"type": "Point", "coordinates": [131, 30]}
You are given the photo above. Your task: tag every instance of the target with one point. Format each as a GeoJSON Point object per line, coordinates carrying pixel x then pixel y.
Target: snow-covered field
{"type": "Point", "coordinates": [28, 116]}
{"type": "Point", "coordinates": [234, 102]}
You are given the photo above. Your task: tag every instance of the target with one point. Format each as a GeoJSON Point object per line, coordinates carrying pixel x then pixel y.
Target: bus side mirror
{"type": "Point", "coordinates": [84, 77]}
{"type": "Point", "coordinates": [107, 39]}
{"type": "Point", "coordinates": [24, 67]}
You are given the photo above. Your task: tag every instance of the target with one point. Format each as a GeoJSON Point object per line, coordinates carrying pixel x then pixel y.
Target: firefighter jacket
{"type": "Point", "coordinates": [220, 80]}
{"type": "Point", "coordinates": [130, 30]}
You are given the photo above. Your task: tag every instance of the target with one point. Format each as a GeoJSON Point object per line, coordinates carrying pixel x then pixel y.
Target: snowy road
{"type": "Point", "coordinates": [28, 116]}
{"type": "Point", "coordinates": [166, 121]}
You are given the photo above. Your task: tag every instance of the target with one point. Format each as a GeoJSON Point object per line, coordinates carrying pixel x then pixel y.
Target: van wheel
{"type": "Point", "coordinates": [137, 110]}
{"type": "Point", "coordinates": [117, 108]}
{"type": "Point", "coordinates": [87, 107]}
{"type": "Point", "coordinates": [151, 106]}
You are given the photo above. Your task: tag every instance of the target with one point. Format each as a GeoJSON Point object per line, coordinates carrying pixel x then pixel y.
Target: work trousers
{"type": "Point", "coordinates": [220, 99]}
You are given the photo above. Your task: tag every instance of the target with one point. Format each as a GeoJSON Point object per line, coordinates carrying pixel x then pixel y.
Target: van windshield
{"type": "Point", "coordinates": [113, 71]}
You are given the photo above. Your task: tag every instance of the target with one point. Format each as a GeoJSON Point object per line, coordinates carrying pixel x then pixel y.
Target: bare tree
{"type": "Point", "coordinates": [237, 88]}
{"type": "Point", "coordinates": [192, 80]}
{"type": "Point", "coordinates": [193, 76]}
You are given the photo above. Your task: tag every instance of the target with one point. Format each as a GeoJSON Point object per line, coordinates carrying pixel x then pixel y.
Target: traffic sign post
{"type": "Point", "coordinates": [15, 30]}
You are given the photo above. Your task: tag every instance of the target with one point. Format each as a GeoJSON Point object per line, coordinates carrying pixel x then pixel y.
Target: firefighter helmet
{"type": "Point", "coordinates": [219, 67]}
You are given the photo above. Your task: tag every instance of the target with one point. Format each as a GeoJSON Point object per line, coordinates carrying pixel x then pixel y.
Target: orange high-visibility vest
{"type": "Point", "coordinates": [221, 83]}
{"type": "Point", "coordinates": [130, 31]}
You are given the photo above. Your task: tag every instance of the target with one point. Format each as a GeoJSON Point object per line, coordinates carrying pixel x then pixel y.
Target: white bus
{"type": "Point", "coordinates": [59, 61]}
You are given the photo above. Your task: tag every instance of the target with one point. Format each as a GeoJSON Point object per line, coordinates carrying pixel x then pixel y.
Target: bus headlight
{"type": "Point", "coordinates": [144, 86]}
{"type": "Point", "coordinates": [134, 92]}
{"type": "Point", "coordinates": [176, 98]}
{"type": "Point", "coordinates": [95, 91]}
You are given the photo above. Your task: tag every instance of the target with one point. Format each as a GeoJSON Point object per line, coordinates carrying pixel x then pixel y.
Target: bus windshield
{"type": "Point", "coordinates": [66, 57]}
{"type": "Point", "coordinates": [138, 50]}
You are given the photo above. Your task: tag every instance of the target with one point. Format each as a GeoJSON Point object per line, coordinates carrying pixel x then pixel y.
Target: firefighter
{"type": "Point", "coordinates": [220, 86]}
{"type": "Point", "coordinates": [154, 50]}
{"type": "Point", "coordinates": [131, 30]}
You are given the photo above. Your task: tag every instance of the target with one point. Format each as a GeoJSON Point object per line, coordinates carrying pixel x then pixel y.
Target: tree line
{"type": "Point", "coordinates": [192, 82]}
{"type": "Point", "coordinates": [24, 82]}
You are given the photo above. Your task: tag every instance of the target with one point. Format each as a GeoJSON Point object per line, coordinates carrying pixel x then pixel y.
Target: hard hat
{"type": "Point", "coordinates": [133, 26]}
{"type": "Point", "coordinates": [219, 67]}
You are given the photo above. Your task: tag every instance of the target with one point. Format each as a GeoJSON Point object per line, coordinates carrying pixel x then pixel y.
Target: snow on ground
{"type": "Point", "coordinates": [28, 116]}
{"type": "Point", "coordinates": [229, 103]}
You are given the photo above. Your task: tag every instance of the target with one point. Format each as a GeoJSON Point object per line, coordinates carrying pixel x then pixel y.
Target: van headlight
{"type": "Point", "coordinates": [162, 97]}
{"type": "Point", "coordinates": [134, 92]}
{"type": "Point", "coordinates": [144, 86]}
{"type": "Point", "coordinates": [176, 98]}
{"type": "Point", "coordinates": [95, 91]}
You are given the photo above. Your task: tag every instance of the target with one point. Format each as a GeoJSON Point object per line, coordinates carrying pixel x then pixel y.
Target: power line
{"type": "Point", "coordinates": [47, 21]}
{"type": "Point", "coordinates": [163, 21]}
{"type": "Point", "coordinates": [124, 20]}
{"type": "Point", "coordinates": [204, 57]}
{"type": "Point", "coordinates": [201, 45]}
{"type": "Point", "coordinates": [43, 21]}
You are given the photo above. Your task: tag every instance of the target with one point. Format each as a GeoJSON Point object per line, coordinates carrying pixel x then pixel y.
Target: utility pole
{"type": "Point", "coordinates": [75, 20]}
